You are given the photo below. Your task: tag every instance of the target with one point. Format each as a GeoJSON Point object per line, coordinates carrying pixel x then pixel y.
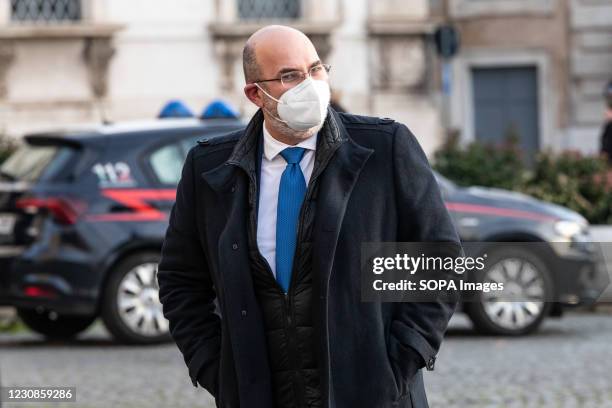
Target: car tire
{"type": "Point", "coordinates": [130, 308]}
{"type": "Point", "coordinates": [52, 325]}
{"type": "Point", "coordinates": [513, 318]}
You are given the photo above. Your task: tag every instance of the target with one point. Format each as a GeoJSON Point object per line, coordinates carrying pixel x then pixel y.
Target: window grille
{"type": "Point", "coordinates": [269, 9]}
{"type": "Point", "coordinates": [45, 10]}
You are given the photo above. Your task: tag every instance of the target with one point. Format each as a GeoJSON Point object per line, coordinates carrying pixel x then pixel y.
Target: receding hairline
{"type": "Point", "coordinates": [249, 63]}
{"type": "Point", "coordinates": [249, 54]}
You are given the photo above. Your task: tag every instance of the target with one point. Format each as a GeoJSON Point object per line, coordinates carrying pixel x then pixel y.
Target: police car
{"type": "Point", "coordinates": [83, 213]}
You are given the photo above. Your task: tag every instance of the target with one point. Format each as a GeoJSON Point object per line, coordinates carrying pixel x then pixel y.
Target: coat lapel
{"type": "Point", "coordinates": [336, 185]}
{"type": "Point", "coordinates": [233, 182]}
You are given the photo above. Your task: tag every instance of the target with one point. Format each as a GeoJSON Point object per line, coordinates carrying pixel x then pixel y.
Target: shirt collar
{"type": "Point", "coordinates": [273, 147]}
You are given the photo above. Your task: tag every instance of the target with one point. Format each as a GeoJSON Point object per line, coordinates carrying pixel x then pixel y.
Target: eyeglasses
{"type": "Point", "coordinates": [292, 78]}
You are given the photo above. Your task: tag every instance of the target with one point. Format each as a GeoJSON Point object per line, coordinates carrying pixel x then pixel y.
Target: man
{"type": "Point", "coordinates": [260, 269]}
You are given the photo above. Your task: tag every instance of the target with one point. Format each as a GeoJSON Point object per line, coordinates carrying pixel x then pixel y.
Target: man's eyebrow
{"type": "Point", "coordinates": [283, 70]}
{"type": "Point", "coordinates": [289, 69]}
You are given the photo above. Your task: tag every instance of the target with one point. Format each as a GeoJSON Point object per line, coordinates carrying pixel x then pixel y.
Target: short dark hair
{"type": "Point", "coordinates": [249, 64]}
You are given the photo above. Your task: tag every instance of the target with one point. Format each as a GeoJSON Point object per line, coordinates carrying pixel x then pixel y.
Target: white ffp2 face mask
{"type": "Point", "coordinates": [304, 106]}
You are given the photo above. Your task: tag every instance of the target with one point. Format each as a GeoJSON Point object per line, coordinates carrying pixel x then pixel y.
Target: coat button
{"type": "Point", "coordinates": [430, 363]}
{"type": "Point", "coordinates": [233, 189]}
{"type": "Point", "coordinates": [234, 246]}
{"type": "Point", "coordinates": [244, 313]}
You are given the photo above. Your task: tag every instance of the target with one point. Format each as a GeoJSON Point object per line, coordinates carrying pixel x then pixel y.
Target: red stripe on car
{"type": "Point", "coordinates": [136, 201]}
{"type": "Point", "coordinates": [497, 211]}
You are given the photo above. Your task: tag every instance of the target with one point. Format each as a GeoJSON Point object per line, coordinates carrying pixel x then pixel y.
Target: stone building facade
{"type": "Point", "coordinates": [67, 61]}
{"type": "Point", "coordinates": [541, 62]}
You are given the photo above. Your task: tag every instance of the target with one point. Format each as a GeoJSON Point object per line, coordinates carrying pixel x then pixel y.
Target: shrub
{"type": "Point", "coordinates": [481, 164]}
{"type": "Point", "coordinates": [581, 183]}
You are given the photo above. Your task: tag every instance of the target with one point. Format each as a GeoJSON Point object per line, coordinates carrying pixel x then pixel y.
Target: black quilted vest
{"type": "Point", "coordinates": [290, 330]}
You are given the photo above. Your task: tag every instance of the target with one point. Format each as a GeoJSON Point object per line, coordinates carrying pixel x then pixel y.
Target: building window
{"type": "Point", "coordinates": [269, 9]}
{"type": "Point", "coordinates": [45, 10]}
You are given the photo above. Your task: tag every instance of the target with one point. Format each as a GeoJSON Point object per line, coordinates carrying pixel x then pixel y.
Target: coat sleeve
{"type": "Point", "coordinates": [186, 288]}
{"type": "Point", "coordinates": [417, 328]}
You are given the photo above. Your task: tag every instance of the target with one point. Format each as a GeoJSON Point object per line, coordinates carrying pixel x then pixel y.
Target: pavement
{"type": "Point", "coordinates": [568, 363]}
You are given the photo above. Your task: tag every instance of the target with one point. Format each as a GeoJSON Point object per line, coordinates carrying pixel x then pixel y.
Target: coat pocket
{"type": "Point", "coordinates": [403, 370]}
{"type": "Point", "coordinates": [391, 365]}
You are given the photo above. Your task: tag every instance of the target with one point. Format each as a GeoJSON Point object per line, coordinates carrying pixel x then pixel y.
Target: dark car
{"type": "Point", "coordinates": [83, 216]}
{"type": "Point", "coordinates": [82, 220]}
{"type": "Point", "coordinates": [541, 250]}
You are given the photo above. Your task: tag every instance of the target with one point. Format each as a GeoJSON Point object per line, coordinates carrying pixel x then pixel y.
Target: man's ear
{"type": "Point", "coordinates": [252, 92]}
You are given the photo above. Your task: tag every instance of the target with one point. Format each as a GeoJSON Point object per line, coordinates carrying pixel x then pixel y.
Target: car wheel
{"type": "Point", "coordinates": [54, 326]}
{"type": "Point", "coordinates": [131, 309]}
{"type": "Point", "coordinates": [525, 276]}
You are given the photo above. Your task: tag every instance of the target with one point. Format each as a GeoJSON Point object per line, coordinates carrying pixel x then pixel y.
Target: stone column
{"type": "Point", "coordinates": [93, 10]}
{"type": "Point", "coordinates": [97, 55]}
{"type": "Point", "coordinates": [227, 11]}
{"type": "Point", "coordinates": [5, 12]}
{"type": "Point", "coordinates": [7, 55]}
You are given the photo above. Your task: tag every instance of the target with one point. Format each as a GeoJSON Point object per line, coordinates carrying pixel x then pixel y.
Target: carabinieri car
{"type": "Point", "coordinates": [82, 218]}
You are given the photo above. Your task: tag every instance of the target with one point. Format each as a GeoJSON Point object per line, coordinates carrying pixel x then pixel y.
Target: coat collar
{"type": "Point", "coordinates": [331, 136]}
{"type": "Point", "coordinates": [272, 148]}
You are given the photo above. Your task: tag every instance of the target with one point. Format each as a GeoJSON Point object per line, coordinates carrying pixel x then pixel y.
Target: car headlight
{"type": "Point", "coordinates": [568, 229]}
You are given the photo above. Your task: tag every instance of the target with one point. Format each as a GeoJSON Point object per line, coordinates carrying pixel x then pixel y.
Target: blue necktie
{"type": "Point", "coordinates": [291, 192]}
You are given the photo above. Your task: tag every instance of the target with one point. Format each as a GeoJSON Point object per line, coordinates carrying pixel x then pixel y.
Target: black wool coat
{"type": "Point", "coordinates": [377, 187]}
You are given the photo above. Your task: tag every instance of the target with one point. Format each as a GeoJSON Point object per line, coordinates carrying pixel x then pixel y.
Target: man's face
{"type": "Point", "coordinates": [277, 56]}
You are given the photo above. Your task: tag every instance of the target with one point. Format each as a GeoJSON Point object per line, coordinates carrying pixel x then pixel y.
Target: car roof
{"type": "Point", "coordinates": [84, 133]}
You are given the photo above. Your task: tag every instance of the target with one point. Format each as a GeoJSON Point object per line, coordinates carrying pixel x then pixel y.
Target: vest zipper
{"type": "Point", "coordinates": [288, 308]}
{"type": "Point", "coordinates": [309, 191]}
{"type": "Point", "coordinates": [298, 385]}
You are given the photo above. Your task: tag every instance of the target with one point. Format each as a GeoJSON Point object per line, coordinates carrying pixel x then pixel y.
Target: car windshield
{"type": "Point", "coordinates": [36, 162]}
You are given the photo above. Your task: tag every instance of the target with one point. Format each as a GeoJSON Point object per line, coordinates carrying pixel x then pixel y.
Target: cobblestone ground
{"type": "Point", "coordinates": [567, 364]}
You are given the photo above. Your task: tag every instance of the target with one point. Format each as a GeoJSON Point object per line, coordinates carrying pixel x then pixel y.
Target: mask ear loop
{"type": "Point", "coordinates": [274, 99]}
{"type": "Point", "coordinates": [267, 94]}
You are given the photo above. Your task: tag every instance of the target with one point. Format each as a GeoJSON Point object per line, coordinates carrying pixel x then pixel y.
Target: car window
{"type": "Point", "coordinates": [37, 162]}
{"type": "Point", "coordinates": [167, 163]}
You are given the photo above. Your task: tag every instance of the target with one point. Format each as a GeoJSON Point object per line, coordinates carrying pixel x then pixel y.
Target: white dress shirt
{"type": "Point", "coordinates": [272, 167]}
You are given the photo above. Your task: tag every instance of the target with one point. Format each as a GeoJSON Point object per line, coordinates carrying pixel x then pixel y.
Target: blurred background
{"type": "Point", "coordinates": [510, 99]}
